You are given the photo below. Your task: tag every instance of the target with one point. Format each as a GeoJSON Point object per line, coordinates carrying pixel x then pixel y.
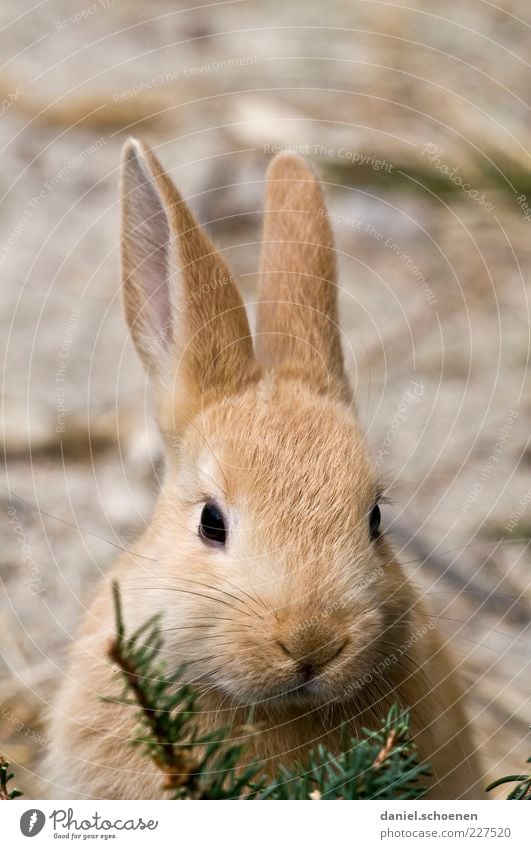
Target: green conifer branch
{"type": "Point", "coordinates": [522, 789]}
{"type": "Point", "coordinates": [194, 765]}
{"type": "Point", "coordinates": [5, 777]}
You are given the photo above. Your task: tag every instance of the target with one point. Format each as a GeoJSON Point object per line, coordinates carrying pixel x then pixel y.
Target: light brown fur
{"type": "Point", "coordinates": [273, 439]}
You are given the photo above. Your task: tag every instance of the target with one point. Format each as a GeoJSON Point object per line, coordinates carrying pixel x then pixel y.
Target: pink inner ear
{"type": "Point", "coordinates": [149, 247]}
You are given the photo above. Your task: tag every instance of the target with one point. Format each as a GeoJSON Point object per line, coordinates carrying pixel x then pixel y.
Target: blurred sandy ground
{"type": "Point", "coordinates": [434, 293]}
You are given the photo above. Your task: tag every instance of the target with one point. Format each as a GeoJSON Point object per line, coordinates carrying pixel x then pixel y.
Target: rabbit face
{"type": "Point", "coordinates": [269, 565]}
{"type": "Point", "coordinates": [273, 578]}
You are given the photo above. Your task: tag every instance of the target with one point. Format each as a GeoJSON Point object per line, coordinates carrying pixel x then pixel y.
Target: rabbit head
{"type": "Point", "coordinates": [265, 552]}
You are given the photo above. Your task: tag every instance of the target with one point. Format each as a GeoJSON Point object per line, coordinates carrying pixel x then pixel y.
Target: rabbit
{"type": "Point", "coordinates": [265, 557]}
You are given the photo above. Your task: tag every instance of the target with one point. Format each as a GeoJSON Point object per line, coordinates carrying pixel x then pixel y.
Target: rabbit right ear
{"type": "Point", "coordinates": [185, 314]}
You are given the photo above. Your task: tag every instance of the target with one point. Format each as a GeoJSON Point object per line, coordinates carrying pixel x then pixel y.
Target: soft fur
{"type": "Point", "coordinates": [273, 438]}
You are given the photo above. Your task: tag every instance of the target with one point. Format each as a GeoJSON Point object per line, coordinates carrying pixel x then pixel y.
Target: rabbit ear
{"type": "Point", "coordinates": [185, 314]}
{"type": "Point", "coordinates": [297, 330]}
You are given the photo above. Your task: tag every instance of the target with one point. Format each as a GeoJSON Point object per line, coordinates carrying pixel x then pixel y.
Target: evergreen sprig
{"type": "Point", "coordinates": [195, 765]}
{"type": "Point", "coordinates": [522, 789]}
{"type": "Point", "coordinates": [381, 765]}
{"type": "Point", "coordinates": [5, 777]}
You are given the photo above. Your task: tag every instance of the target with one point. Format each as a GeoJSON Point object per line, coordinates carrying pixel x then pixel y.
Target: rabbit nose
{"type": "Point", "coordinates": [309, 656]}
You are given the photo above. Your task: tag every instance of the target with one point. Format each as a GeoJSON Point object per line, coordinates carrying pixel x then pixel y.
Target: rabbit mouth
{"type": "Point", "coordinates": [295, 693]}
{"type": "Point", "coordinates": [304, 690]}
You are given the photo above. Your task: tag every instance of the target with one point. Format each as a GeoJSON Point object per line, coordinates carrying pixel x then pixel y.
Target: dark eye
{"type": "Point", "coordinates": [374, 522]}
{"type": "Point", "coordinates": [212, 525]}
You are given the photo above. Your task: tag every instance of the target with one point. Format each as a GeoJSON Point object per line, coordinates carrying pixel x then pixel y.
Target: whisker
{"type": "Point", "coordinates": [469, 622]}
{"type": "Point", "coordinates": [74, 525]}
{"type": "Point", "coordinates": [211, 587]}
{"type": "Point", "coordinates": [191, 592]}
{"type": "Point", "coordinates": [458, 636]}
{"type": "Point", "coordinates": [205, 624]}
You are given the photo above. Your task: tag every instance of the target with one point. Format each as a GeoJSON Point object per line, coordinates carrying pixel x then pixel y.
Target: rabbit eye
{"type": "Point", "coordinates": [212, 525]}
{"type": "Point", "coordinates": [374, 522]}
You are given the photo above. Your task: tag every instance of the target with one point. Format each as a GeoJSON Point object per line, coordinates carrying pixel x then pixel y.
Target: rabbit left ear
{"type": "Point", "coordinates": [185, 314]}
{"type": "Point", "coordinates": [297, 323]}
